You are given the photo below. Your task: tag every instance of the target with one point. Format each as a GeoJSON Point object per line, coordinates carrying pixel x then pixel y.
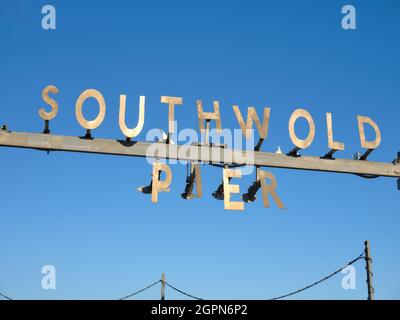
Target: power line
{"type": "Point", "coordinates": [5, 297]}
{"type": "Point", "coordinates": [180, 291]}
{"type": "Point", "coordinates": [141, 290]}
{"type": "Point", "coordinates": [361, 256]}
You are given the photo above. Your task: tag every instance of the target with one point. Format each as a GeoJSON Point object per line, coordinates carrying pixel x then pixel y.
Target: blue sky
{"type": "Point", "coordinates": [82, 213]}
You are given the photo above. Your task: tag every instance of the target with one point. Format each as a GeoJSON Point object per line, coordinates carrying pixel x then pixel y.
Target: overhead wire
{"type": "Point", "coordinates": [139, 291]}
{"type": "Point", "coordinates": [182, 292]}
{"type": "Point", "coordinates": [361, 256]}
{"type": "Point", "coordinates": [5, 297]}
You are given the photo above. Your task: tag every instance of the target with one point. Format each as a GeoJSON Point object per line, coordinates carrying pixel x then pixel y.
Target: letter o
{"type": "Point", "coordinates": [300, 143]}
{"type": "Point", "coordinates": [93, 124]}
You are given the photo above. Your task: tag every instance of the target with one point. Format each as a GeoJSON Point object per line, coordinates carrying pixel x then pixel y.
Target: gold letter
{"type": "Point", "coordinates": [131, 133]}
{"type": "Point", "coordinates": [268, 188]}
{"type": "Point", "coordinates": [335, 145]}
{"type": "Point", "coordinates": [231, 188]}
{"type": "Point", "coordinates": [301, 113]}
{"type": "Point", "coordinates": [54, 105]}
{"type": "Point", "coordinates": [364, 143]}
{"type": "Point", "coordinates": [172, 101]}
{"type": "Point", "coordinates": [208, 116]}
{"type": "Point", "coordinates": [93, 124]}
{"type": "Point", "coordinates": [252, 116]}
{"type": "Point", "coordinates": [158, 185]}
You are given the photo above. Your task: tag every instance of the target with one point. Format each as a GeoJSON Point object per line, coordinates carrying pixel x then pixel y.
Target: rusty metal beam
{"type": "Point", "coordinates": [202, 153]}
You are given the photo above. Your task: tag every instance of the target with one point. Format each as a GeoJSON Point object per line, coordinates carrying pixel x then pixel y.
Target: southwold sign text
{"type": "Point", "coordinates": [207, 151]}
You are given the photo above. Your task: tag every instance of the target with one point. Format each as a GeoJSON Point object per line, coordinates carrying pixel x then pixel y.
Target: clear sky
{"type": "Point", "coordinates": [82, 214]}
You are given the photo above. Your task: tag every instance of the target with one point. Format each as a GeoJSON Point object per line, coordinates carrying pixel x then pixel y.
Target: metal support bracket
{"type": "Point", "coordinates": [258, 145]}
{"type": "Point", "coordinates": [250, 196]}
{"type": "Point", "coordinates": [366, 154]}
{"type": "Point", "coordinates": [88, 135]}
{"type": "Point", "coordinates": [329, 154]}
{"type": "Point", "coordinates": [294, 152]}
{"type": "Point", "coordinates": [4, 128]}
{"type": "Point", "coordinates": [46, 127]}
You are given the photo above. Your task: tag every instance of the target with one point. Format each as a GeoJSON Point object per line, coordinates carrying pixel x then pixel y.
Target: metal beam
{"type": "Point", "coordinates": [202, 153]}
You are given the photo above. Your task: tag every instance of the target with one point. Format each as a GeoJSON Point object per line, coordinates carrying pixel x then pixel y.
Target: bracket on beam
{"type": "Point", "coordinates": [366, 154]}
{"type": "Point", "coordinates": [88, 135]}
{"type": "Point", "coordinates": [258, 145]}
{"type": "Point", "coordinates": [46, 127]}
{"type": "Point", "coordinates": [293, 152]}
{"type": "Point", "coordinates": [329, 154]}
{"type": "Point", "coordinates": [4, 128]}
